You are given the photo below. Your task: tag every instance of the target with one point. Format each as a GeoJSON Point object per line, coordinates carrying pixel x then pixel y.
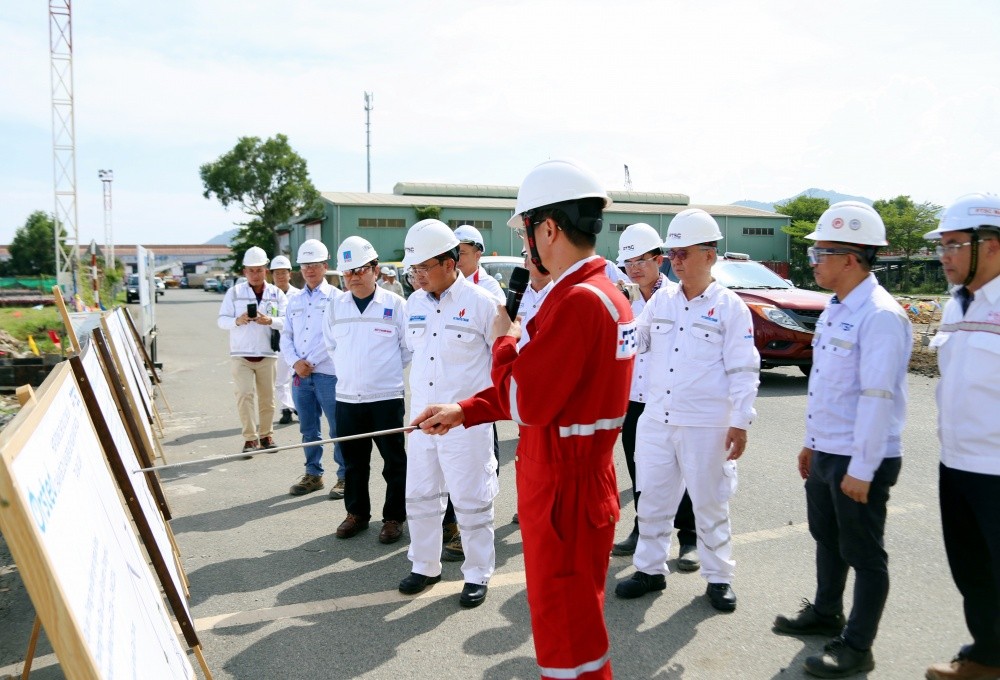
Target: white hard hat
{"type": "Point", "coordinates": [637, 239]}
{"type": "Point", "coordinates": [355, 252]}
{"type": "Point", "coordinates": [311, 251]}
{"type": "Point", "coordinates": [427, 239]}
{"type": "Point", "coordinates": [389, 271]}
{"type": "Point", "coordinates": [554, 182]}
{"type": "Point", "coordinates": [972, 211]}
{"type": "Point", "coordinates": [280, 262]}
{"type": "Point", "coordinates": [690, 227]}
{"type": "Point", "coordinates": [850, 222]}
{"type": "Point", "coordinates": [466, 233]}
{"type": "Point", "coordinates": [255, 257]}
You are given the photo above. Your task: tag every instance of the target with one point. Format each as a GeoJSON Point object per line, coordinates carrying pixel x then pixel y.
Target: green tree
{"type": "Point", "coordinates": [33, 250]}
{"type": "Point", "coordinates": [906, 223]}
{"type": "Point", "coordinates": [805, 211]}
{"type": "Point", "coordinates": [269, 181]}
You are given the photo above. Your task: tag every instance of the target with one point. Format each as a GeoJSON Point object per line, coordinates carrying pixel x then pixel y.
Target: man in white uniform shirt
{"type": "Point", "coordinates": [249, 312]}
{"type": "Point", "coordinates": [281, 275]}
{"type": "Point", "coordinates": [389, 282]}
{"type": "Point", "coordinates": [968, 399]}
{"type": "Point", "coordinates": [470, 251]}
{"type": "Point", "coordinates": [448, 330]}
{"type": "Point", "coordinates": [705, 368]}
{"type": "Point", "coordinates": [365, 335]}
{"type": "Point", "coordinates": [314, 385]}
{"type": "Point", "coordinates": [640, 252]}
{"type": "Point", "coordinates": [852, 451]}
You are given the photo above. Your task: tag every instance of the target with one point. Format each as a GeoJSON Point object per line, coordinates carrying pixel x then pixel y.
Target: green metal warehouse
{"type": "Point", "coordinates": [383, 219]}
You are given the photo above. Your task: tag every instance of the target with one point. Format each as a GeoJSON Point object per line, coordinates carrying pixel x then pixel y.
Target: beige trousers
{"type": "Point", "coordinates": [254, 379]}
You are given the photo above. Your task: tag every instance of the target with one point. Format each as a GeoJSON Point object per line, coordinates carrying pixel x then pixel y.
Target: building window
{"type": "Point", "coordinates": [312, 231]}
{"type": "Point", "coordinates": [478, 224]}
{"type": "Point", "coordinates": [758, 231]}
{"type": "Point", "coordinates": [382, 222]}
{"type": "Point", "coordinates": [619, 227]}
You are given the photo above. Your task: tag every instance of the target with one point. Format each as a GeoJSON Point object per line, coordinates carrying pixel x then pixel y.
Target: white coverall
{"type": "Point", "coordinates": [450, 342]}
{"type": "Point", "coordinates": [283, 373]}
{"type": "Point", "coordinates": [707, 371]}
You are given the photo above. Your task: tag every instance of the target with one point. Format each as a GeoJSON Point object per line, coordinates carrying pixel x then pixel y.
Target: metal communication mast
{"type": "Point", "coordinates": [628, 180]}
{"type": "Point", "coordinates": [106, 177]}
{"type": "Point", "coordinates": [369, 98]}
{"type": "Point", "coordinates": [64, 144]}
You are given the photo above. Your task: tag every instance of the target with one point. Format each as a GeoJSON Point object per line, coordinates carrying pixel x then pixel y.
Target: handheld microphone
{"type": "Point", "coordinates": [516, 286]}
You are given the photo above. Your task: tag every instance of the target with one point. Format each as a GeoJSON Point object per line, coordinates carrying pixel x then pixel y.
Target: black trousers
{"type": "Point", "coordinates": [371, 417]}
{"type": "Point", "coordinates": [684, 520]}
{"type": "Point", "coordinates": [970, 518]}
{"type": "Point", "coordinates": [850, 535]}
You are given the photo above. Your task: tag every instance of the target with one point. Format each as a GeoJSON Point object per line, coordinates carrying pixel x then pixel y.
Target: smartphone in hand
{"type": "Point", "coordinates": [252, 310]}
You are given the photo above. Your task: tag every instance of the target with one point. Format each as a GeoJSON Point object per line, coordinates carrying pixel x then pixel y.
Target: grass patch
{"type": "Point", "coordinates": [24, 321]}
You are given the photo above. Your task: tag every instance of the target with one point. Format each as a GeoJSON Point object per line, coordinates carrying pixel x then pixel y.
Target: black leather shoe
{"type": "Point", "coordinates": [687, 559]}
{"type": "Point", "coordinates": [472, 595]}
{"type": "Point", "coordinates": [626, 547]}
{"type": "Point", "coordinates": [414, 583]}
{"type": "Point", "coordinates": [808, 621]}
{"type": "Point", "coordinates": [722, 596]}
{"type": "Point", "coordinates": [639, 584]}
{"type": "Point", "coordinates": [286, 416]}
{"type": "Point", "coordinates": [839, 660]}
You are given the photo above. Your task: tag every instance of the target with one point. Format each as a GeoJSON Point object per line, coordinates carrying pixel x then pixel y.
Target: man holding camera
{"type": "Point", "coordinates": [249, 312]}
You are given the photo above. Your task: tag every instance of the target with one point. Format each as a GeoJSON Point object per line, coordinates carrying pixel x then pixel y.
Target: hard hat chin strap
{"type": "Point", "coordinates": [529, 228]}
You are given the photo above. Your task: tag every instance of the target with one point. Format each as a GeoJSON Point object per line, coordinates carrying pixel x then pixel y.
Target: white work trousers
{"type": "Point", "coordinates": [668, 458]}
{"type": "Point", "coordinates": [460, 463]}
{"type": "Point", "coordinates": [283, 384]}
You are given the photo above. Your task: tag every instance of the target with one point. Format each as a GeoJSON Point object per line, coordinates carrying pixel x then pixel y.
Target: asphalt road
{"type": "Point", "coordinates": [276, 594]}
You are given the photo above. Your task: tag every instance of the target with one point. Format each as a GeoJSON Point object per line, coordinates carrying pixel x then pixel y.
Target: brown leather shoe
{"type": "Point", "coordinates": [391, 531]}
{"type": "Point", "coordinates": [962, 669]}
{"type": "Point", "coordinates": [448, 532]}
{"type": "Point", "coordinates": [351, 526]}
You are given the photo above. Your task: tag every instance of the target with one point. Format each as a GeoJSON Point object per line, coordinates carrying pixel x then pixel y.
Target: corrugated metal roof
{"type": "Point", "coordinates": [397, 200]}
{"type": "Point", "coordinates": [466, 190]}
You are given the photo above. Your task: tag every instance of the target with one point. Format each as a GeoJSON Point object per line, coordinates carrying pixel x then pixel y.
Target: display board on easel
{"type": "Point", "coordinates": [139, 400]}
{"type": "Point", "coordinates": [75, 546]}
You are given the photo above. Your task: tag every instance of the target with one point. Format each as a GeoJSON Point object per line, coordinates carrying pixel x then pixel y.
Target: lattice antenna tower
{"type": "Point", "coordinates": [628, 180]}
{"type": "Point", "coordinates": [107, 177]}
{"type": "Point", "coordinates": [369, 105]}
{"type": "Point", "coordinates": [64, 144]}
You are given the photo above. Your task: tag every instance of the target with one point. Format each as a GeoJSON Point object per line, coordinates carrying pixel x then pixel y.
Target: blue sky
{"type": "Point", "coordinates": [719, 100]}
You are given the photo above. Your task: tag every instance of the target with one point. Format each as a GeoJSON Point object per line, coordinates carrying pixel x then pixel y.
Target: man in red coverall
{"type": "Point", "coordinates": [568, 389]}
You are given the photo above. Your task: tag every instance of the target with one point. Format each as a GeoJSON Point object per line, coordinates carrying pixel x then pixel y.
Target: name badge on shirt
{"type": "Point", "coordinates": [626, 347]}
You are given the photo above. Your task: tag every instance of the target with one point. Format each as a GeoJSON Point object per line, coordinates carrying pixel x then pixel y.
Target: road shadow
{"type": "Point", "coordinates": [225, 519]}
{"type": "Point", "coordinates": [781, 384]}
{"type": "Point", "coordinates": [198, 436]}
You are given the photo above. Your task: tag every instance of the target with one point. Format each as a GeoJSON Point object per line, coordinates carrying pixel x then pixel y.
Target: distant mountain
{"type": "Point", "coordinates": [226, 237]}
{"type": "Point", "coordinates": [831, 196]}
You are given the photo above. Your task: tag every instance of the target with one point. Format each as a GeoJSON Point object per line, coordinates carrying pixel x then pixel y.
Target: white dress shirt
{"type": "Point", "coordinates": [483, 279]}
{"type": "Point", "coordinates": [252, 339]}
{"type": "Point", "coordinates": [968, 395]}
{"type": "Point", "coordinates": [857, 387]}
{"type": "Point", "coordinates": [640, 372]}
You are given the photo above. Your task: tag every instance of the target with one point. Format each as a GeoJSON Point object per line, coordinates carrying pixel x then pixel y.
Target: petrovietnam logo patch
{"type": "Point", "coordinates": [347, 256]}
{"type": "Point", "coordinates": [461, 317]}
{"type": "Point", "coordinates": [387, 313]}
{"type": "Point", "coordinates": [626, 346]}
{"type": "Point", "coordinates": [710, 316]}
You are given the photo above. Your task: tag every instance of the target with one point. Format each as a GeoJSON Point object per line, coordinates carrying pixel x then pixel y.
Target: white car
{"type": "Point", "coordinates": [161, 287]}
{"type": "Point", "coordinates": [500, 267]}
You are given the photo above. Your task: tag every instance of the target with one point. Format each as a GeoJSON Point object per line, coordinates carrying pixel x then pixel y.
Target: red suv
{"type": "Point", "coordinates": [784, 317]}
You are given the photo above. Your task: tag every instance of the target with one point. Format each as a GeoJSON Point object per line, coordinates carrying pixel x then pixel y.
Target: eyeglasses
{"type": "Point", "coordinates": [680, 254]}
{"type": "Point", "coordinates": [315, 265]}
{"type": "Point", "coordinates": [521, 232]}
{"type": "Point", "coordinates": [358, 271]}
{"type": "Point", "coordinates": [951, 250]}
{"type": "Point", "coordinates": [420, 269]}
{"type": "Point", "coordinates": [640, 262]}
{"type": "Point", "coordinates": [819, 255]}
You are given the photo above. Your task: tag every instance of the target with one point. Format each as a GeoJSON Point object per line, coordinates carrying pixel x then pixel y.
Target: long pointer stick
{"type": "Point", "coordinates": [256, 452]}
